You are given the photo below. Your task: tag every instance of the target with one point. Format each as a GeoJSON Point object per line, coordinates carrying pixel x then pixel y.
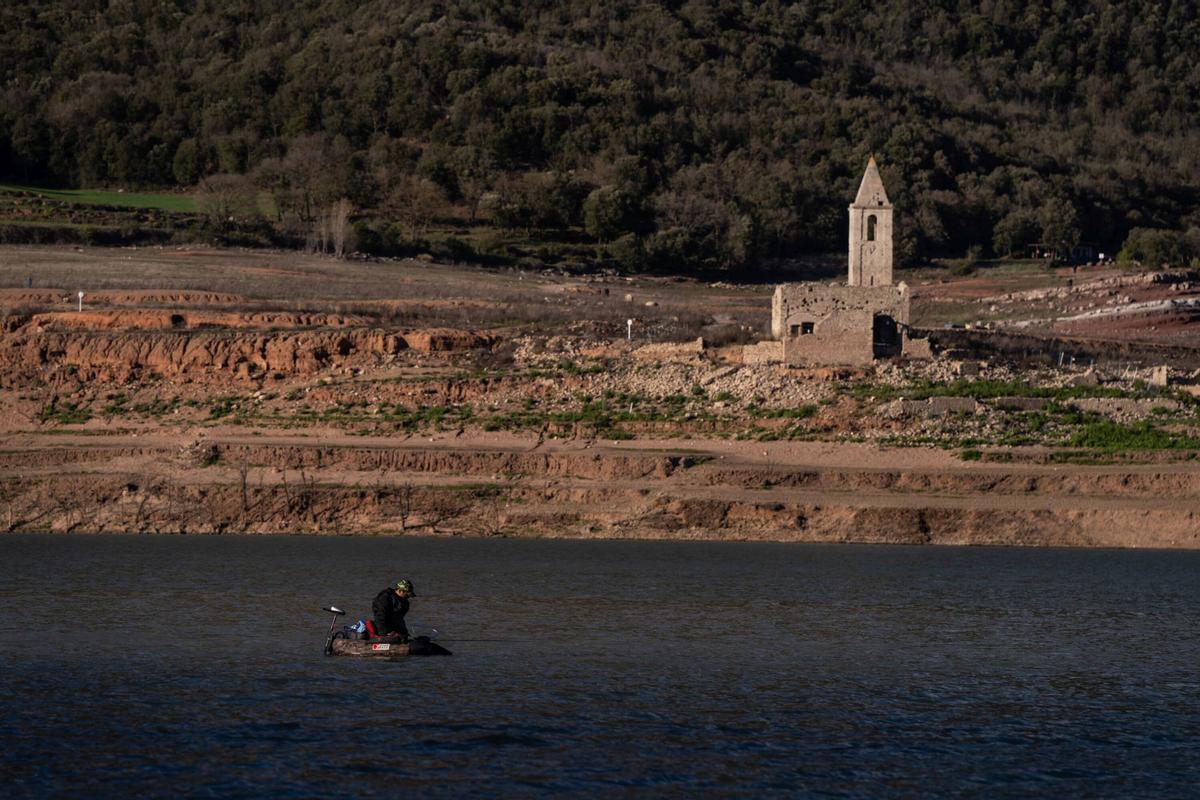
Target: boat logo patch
{"type": "Point", "coordinates": [381, 647]}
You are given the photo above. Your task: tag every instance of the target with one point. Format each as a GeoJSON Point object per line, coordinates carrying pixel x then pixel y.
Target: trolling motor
{"type": "Point", "coordinates": [337, 612]}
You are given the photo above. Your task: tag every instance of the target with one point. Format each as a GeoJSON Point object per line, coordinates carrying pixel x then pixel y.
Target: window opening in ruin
{"type": "Point", "coordinates": [871, 228]}
{"type": "Point", "coordinates": [795, 330]}
{"type": "Point", "coordinates": [806, 328]}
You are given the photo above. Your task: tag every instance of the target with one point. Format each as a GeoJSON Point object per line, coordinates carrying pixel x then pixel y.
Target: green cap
{"type": "Point", "coordinates": [404, 584]}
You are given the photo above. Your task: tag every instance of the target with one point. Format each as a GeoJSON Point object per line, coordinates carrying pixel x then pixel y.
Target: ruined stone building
{"type": "Point", "coordinates": [855, 323]}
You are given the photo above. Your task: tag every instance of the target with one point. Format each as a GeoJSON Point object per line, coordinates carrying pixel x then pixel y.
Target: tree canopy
{"type": "Point", "coordinates": [694, 134]}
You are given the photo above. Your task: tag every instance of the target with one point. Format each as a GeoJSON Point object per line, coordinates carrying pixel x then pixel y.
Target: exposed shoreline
{"type": "Point", "coordinates": [210, 391]}
{"type": "Point", "coordinates": [508, 486]}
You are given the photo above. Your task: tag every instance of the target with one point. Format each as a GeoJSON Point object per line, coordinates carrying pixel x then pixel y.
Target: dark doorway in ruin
{"type": "Point", "coordinates": [885, 336]}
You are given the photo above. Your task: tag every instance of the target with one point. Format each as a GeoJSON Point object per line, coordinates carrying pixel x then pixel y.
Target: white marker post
{"type": "Point", "coordinates": [81, 301]}
{"type": "Point", "coordinates": [629, 330]}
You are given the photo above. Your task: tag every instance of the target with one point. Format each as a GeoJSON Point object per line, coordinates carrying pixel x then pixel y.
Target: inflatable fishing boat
{"type": "Point", "coordinates": [346, 643]}
{"type": "Point", "coordinates": [420, 646]}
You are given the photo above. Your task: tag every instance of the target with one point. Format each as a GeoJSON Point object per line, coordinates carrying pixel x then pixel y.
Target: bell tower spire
{"type": "Point", "coordinates": [870, 262]}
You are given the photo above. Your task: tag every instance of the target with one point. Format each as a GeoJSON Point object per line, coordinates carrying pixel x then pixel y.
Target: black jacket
{"type": "Point", "coordinates": [388, 612]}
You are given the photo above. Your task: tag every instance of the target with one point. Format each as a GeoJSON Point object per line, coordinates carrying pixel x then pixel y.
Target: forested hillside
{"type": "Point", "coordinates": [674, 135]}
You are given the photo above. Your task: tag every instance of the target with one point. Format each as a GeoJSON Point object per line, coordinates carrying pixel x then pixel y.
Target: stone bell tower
{"type": "Point", "coordinates": [870, 232]}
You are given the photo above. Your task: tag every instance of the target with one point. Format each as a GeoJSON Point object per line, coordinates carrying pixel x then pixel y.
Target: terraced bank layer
{"type": "Point", "coordinates": [634, 490]}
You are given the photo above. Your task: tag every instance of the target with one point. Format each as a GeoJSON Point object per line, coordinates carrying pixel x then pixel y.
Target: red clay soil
{"type": "Point", "coordinates": [125, 346]}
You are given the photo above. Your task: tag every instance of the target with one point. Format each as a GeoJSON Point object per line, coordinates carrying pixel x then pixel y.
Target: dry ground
{"type": "Point", "coordinates": [229, 391]}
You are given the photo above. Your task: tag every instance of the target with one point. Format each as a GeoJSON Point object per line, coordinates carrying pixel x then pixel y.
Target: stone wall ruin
{"type": "Point", "coordinates": [852, 323]}
{"type": "Point", "coordinates": [820, 324]}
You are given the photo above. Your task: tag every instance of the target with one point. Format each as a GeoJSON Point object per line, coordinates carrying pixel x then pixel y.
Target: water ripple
{"type": "Point", "coordinates": [711, 669]}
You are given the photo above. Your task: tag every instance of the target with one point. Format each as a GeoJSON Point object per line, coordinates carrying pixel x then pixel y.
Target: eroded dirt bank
{"type": "Point", "coordinates": [574, 489]}
{"type": "Point", "coordinates": [284, 394]}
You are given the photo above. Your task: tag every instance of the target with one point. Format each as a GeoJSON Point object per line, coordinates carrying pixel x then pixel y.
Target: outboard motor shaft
{"type": "Point", "coordinates": [337, 612]}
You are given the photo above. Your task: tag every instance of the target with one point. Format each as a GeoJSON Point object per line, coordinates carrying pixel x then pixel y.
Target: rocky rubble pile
{"type": "Point", "coordinates": [723, 385]}
{"type": "Point", "coordinates": [771, 387]}
{"type": "Point", "coordinates": [941, 370]}
{"type": "Point", "coordinates": [537, 352]}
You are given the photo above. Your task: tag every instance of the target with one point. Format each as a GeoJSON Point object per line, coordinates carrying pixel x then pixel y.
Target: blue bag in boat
{"type": "Point", "coordinates": [354, 633]}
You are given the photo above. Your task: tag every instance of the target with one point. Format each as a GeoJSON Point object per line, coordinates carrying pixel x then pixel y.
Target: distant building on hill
{"type": "Point", "coordinates": [1082, 253]}
{"type": "Point", "coordinates": [851, 324]}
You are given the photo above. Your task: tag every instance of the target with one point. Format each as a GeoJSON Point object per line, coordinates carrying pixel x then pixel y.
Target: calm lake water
{"type": "Point", "coordinates": [168, 666]}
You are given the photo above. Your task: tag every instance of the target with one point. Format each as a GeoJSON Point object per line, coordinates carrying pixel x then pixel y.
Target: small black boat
{"type": "Point", "coordinates": [390, 648]}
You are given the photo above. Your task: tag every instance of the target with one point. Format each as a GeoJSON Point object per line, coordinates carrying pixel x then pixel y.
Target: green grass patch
{"type": "Point", "coordinates": [566, 367]}
{"type": "Point", "coordinates": [64, 413]}
{"type": "Point", "coordinates": [157, 407]}
{"type": "Point", "coordinates": [799, 412]}
{"type": "Point", "coordinates": [687, 462]}
{"type": "Point", "coordinates": [985, 390]}
{"type": "Point", "coordinates": [116, 404]}
{"type": "Point", "coordinates": [223, 407]}
{"type": "Point", "coordinates": [1111, 436]}
{"type": "Point", "coordinates": [180, 203]}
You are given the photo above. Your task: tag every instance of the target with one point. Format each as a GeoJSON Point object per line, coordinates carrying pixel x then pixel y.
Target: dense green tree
{"type": "Point", "coordinates": [537, 201]}
{"type": "Point", "coordinates": [187, 166]}
{"type": "Point", "coordinates": [1015, 230]}
{"type": "Point", "coordinates": [1060, 224]}
{"type": "Point", "coordinates": [609, 212]}
{"type": "Point", "coordinates": [995, 124]}
{"type": "Point", "coordinates": [1156, 248]}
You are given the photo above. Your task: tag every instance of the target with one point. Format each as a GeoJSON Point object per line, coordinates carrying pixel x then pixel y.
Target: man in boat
{"type": "Point", "coordinates": [388, 610]}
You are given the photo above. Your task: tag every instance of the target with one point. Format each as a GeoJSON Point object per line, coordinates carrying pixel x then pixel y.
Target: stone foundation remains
{"type": "Point", "coordinates": [819, 324]}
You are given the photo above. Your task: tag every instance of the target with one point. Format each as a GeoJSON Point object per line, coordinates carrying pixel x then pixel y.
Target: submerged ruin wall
{"type": "Point", "coordinates": [823, 324]}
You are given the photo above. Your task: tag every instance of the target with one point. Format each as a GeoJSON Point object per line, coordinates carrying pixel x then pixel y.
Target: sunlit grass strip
{"type": "Point", "coordinates": [1114, 437]}
{"type": "Point", "coordinates": [163, 202]}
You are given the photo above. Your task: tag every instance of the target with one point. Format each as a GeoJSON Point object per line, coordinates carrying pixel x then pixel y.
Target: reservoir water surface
{"type": "Point", "coordinates": [168, 666]}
